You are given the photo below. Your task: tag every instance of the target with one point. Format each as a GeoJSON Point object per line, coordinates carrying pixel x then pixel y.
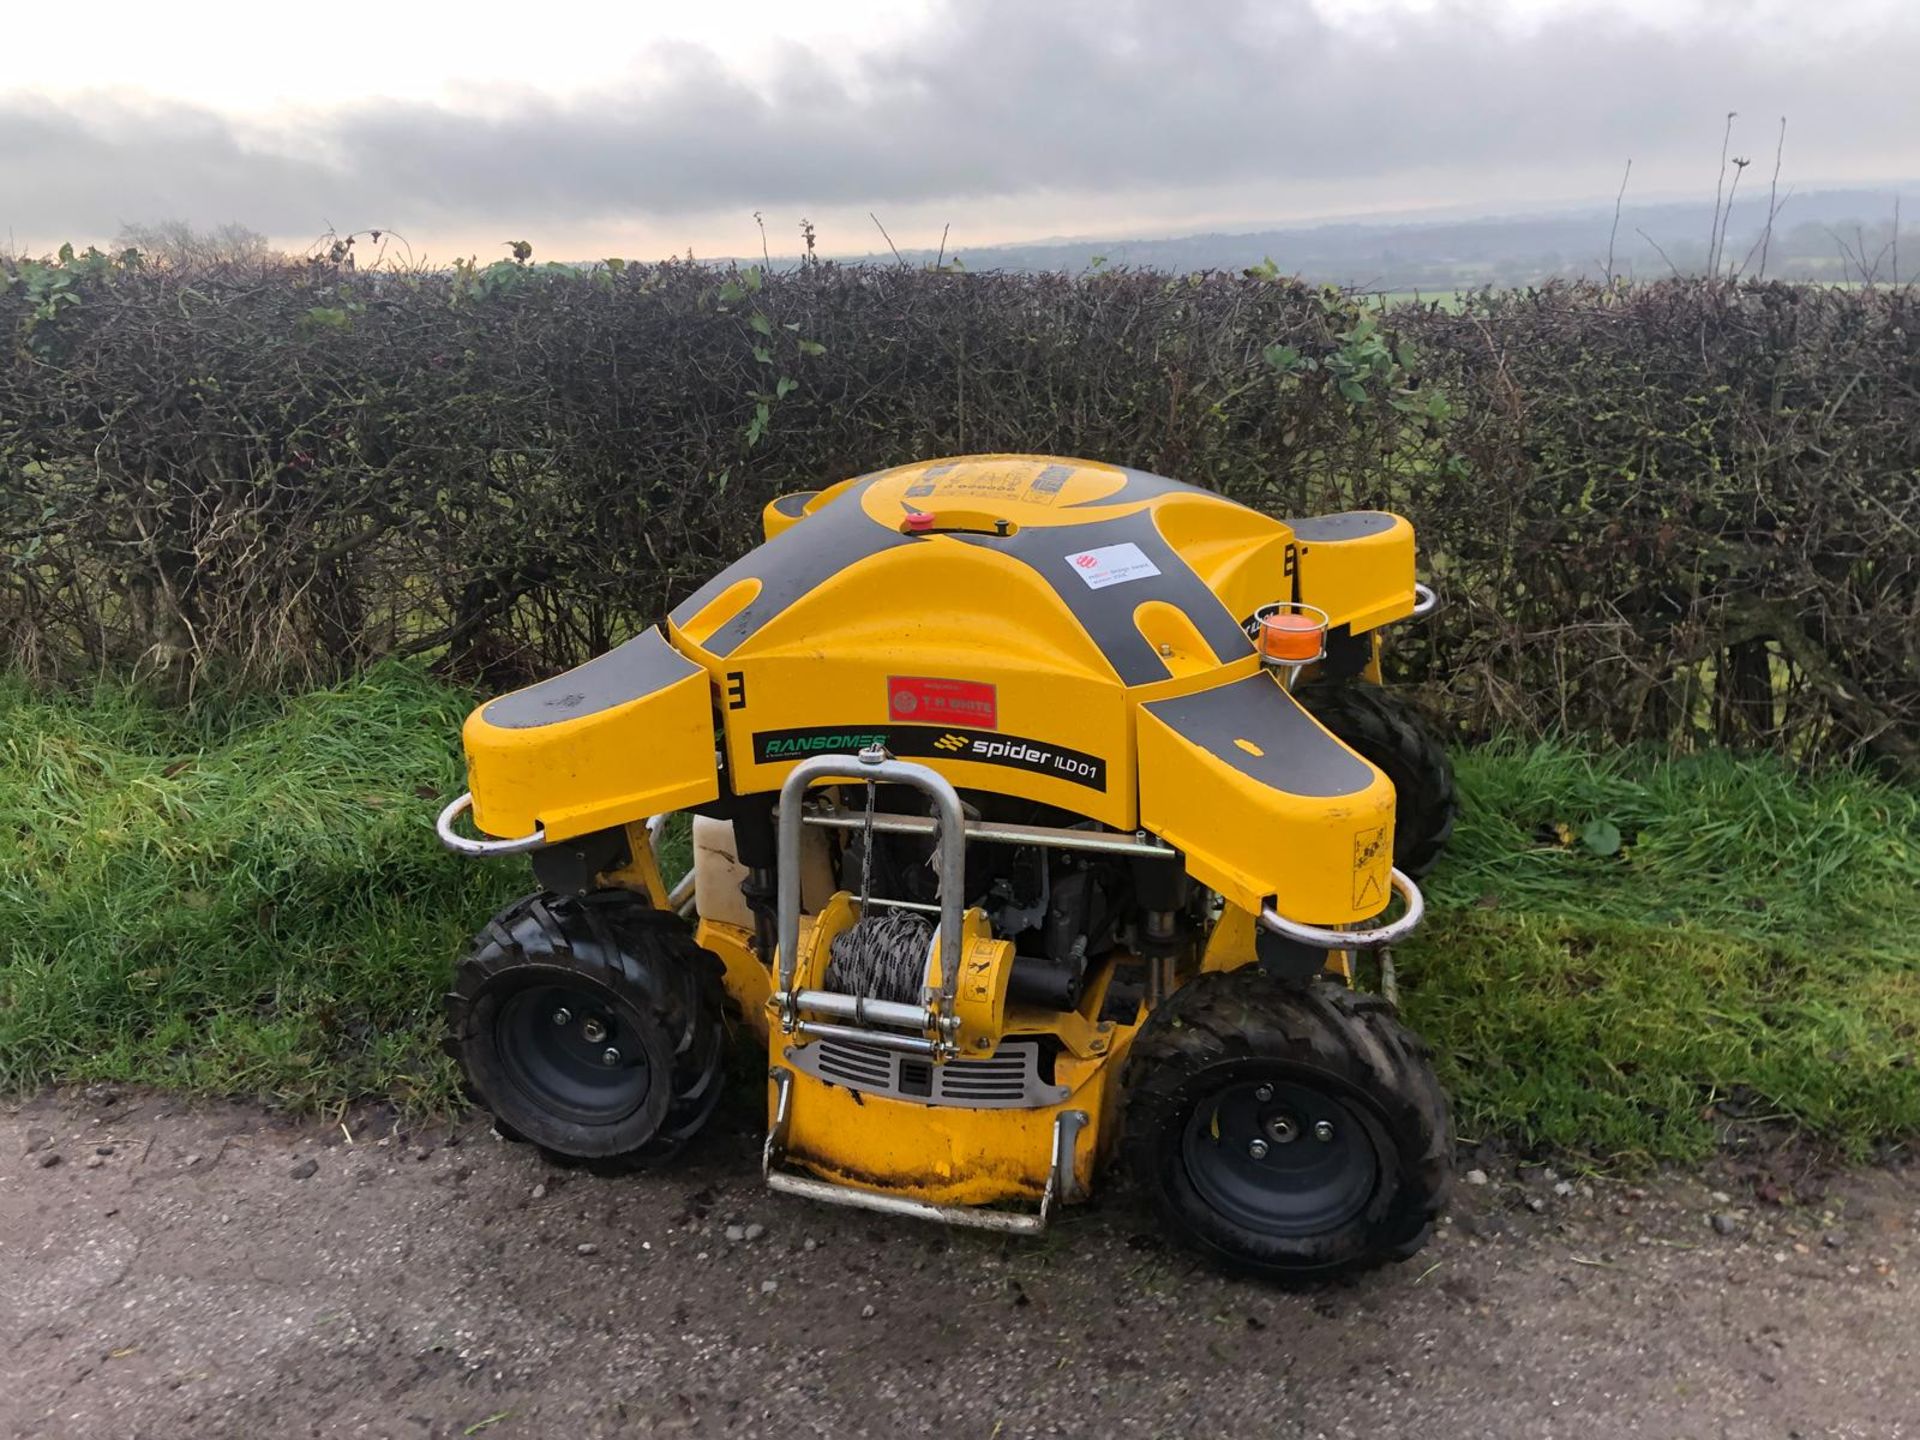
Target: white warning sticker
{"type": "Point", "coordinates": [1112, 565]}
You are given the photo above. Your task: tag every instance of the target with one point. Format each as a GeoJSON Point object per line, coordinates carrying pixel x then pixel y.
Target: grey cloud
{"type": "Point", "coordinates": [1003, 99]}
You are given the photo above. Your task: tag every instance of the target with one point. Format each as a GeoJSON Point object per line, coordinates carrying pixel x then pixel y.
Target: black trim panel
{"type": "Point", "coordinates": [1347, 525]}
{"type": "Point", "coordinates": [1298, 757]}
{"type": "Point", "coordinates": [1107, 614]}
{"type": "Point", "coordinates": [645, 664]}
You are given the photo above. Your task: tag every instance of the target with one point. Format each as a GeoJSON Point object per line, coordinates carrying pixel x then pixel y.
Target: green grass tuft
{"type": "Point", "coordinates": [250, 900]}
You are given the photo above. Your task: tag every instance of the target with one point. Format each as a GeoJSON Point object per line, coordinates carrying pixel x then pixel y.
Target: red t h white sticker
{"type": "Point", "coordinates": [924, 700]}
{"type": "Point", "coordinates": [1112, 565]}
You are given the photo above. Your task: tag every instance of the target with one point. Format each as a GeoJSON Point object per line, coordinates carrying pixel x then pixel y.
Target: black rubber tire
{"type": "Point", "coordinates": [1396, 739]}
{"type": "Point", "coordinates": [660, 998]}
{"type": "Point", "coordinates": [1221, 1034]}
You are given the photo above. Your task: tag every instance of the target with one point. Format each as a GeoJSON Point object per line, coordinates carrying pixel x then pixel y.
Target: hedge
{"type": "Point", "coordinates": [1683, 511]}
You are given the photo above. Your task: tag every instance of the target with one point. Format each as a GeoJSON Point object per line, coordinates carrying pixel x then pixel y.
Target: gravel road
{"type": "Point", "coordinates": [202, 1272]}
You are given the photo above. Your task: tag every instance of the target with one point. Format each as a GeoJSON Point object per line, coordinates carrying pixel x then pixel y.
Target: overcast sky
{"type": "Point", "coordinates": [653, 128]}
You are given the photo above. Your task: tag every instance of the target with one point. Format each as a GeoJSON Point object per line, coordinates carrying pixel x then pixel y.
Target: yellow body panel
{"type": "Point", "coordinates": [748, 982]}
{"type": "Point", "coordinates": [620, 738]}
{"type": "Point", "coordinates": [956, 1155]}
{"type": "Point", "coordinates": [1011, 646]}
{"type": "Point", "coordinates": [642, 870]}
{"type": "Point", "coordinates": [1362, 581]}
{"type": "Point", "coordinates": [823, 650]}
{"type": "Point", "coordinates": [1321, 859]}
{"type": "Point", "coordinates": [1052, 690]}
{"type": "Point", "coordinates": [943, 1154]}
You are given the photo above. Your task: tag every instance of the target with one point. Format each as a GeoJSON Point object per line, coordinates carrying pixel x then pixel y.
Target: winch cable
{"type": "Point", "coordinates": [883, 955]}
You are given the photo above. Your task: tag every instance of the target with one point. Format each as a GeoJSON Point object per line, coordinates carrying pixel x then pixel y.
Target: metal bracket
{"type": "Point", "coordinates": [1061, 1186]}
{"type": "Point", "coordinates": [1425, 602]}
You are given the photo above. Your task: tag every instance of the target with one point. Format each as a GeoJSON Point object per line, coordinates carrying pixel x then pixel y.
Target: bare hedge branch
{"type": "Point", "coordinates": [1683, 511]}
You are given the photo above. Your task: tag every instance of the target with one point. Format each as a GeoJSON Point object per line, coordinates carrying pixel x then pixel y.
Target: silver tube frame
{"type": "Point", "coordinates": [876, 765]}
{"type": "Point", "coordinates": [878, 1039]}
{"type": "Point", "coordinates": [1049, 837]}
{"type": "Point", "coordinates": [861, 1009]}
{"type": "Point", "coordinates": [1322, 938]}
{"type": "Point", "coordinates": [467, 845]}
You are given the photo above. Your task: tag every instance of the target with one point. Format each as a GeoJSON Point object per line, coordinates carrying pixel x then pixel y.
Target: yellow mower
{"type": "Point", "coordinates": [1041, 808]}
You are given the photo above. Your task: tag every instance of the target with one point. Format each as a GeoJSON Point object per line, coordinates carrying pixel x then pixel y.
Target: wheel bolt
{"type": "Point", "coordinates": [563, 1016]}
{"type": "Point", "coordinates": [609, 1057]}
{"type": "Point", "coordinates": [594, 1031]}
{"type": "Point", "coordinates": [1257, 1149]}
{"type": "Point", "coordinates": [1263, 1094]}
{"type": "Point", "coordinates": [1323, 1130]}
{"type": "Point", "coordinates": [1282, 1130]}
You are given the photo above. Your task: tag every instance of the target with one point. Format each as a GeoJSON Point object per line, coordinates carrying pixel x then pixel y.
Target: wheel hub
{"type": "Point", "coordinates": [562, 1046]}
{"type": "Point", "coordinates": [1281, 1158]}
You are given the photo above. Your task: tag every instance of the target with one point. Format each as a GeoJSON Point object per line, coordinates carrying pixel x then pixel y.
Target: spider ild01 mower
{"type": "Point", "coordinates": [1041, 810]}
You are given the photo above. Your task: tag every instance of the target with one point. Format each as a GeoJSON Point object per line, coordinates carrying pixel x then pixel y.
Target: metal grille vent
{"type": "Point", "coordinates": [1007, 1079]}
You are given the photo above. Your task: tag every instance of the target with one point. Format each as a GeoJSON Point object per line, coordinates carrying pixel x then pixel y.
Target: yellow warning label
{"type": "Point", "coordinates": [1372, 860]}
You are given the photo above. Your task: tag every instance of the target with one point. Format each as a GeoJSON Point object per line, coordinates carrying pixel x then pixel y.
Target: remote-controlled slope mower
{"type": "Point", "coordinates": [1040, 811]}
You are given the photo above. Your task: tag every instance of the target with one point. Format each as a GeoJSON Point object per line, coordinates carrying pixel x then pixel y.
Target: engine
{"type": "Point", "coordinates": [1066, 911]}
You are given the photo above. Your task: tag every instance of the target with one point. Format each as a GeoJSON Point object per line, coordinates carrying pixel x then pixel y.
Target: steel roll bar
{"type": "Point", "coordinates": [873, 763]}
{"type": "Point", "coordinates": [467, 845]}
{"type": "Point", "coordinates": [1375, 938]}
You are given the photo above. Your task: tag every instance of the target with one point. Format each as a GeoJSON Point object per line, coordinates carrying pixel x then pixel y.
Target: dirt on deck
{"type": "Point", "coordinates": [207, 1272]}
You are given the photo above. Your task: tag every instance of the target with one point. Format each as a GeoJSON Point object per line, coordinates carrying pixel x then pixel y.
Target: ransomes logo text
{"type": "Point", "coordinates": [784, 744]}
{"type": "Point", "coordinates": [937, 742]}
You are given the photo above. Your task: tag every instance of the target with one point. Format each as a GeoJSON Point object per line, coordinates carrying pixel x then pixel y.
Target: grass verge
{"type": "Point", "coordinates": [1750, 950]}
{"type": "Point", "coordinates": [1625, 951]}
{"type": "Point", "coordinates": [248, 902]}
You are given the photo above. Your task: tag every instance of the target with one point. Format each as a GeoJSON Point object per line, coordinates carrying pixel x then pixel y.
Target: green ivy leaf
{"type": "Point", "coordinates": [1601, 837]}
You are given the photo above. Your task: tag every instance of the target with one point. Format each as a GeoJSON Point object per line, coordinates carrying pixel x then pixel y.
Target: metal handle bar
{"type": "Point", "coordinates": [1105, 842]}
{"type": "Point", "coordinates": [466, 845]}
{"type": "Point", "coordinates": [1322, 938]}
{"type": "Point", "coordinates": [1425, 602]}
{"type": "Point", "coordinates": [875, 764]}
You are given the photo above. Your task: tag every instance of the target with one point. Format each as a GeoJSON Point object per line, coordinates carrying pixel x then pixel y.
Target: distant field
{"type": "Point", "coordinates": [1453, 301]}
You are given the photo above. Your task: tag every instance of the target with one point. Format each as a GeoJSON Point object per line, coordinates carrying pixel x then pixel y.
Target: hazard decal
{"type": "Point", "coordinates": [1372, 869]}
